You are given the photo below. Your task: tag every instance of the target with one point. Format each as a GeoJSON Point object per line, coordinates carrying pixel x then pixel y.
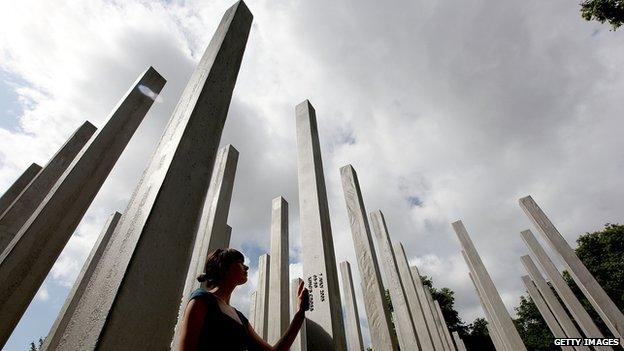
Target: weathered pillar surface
{"type": "Point", "coordinates": [325, 326]}
{"type": "Point", "coordinates": [227, 236]}
{"type": "Point", "coordinates": [252, 308]}
{"type": "Point", "coordinates": [354, 333]}
{"type": "Point", "coordinates": [459, 342]}
{"type": "Point", "coordinates": [438, 321]}
{"type": "Point", "coordinates": [551, 300]}
{"type": "Point", "coordinates": [18, 186]}
{"type": "Point", "coordinates": [508, 331]}
{"type": "Point", "coordinates": [487, 309]}
{"type": "Point", "coordinates": [608, 311]}
{"type": "Point", "coordinates": [52, 340]}
{"type": "Point", "coordinates": [418, 317]}
{"type": "Point", "coordinates": [427, 311]}
{"type": "Point", "coordinates": [543, 309]}
{"type": "Point", "coordinates": [279, 311]}
{"type": "Point", "coordinates": [26, 261]}
{"type": "Point", "coordinates": [300, 343]}
{"type": "Point", "coordinates": [406, 333]}
{"type": "Point", "coordinates": [262, 299]}
{"type": "Point", "coordinates": [449, 340]}
{"type": "Point", "coordinates": [212, 230]}
{"type": "Point", "coordinates": [25, 204]}
{"type": "Point", "coordinates": [152, 244]}
{"type": "Point", "coordinates": [375, 304]}
{"type": "Point", "coordinates": [578, 312]}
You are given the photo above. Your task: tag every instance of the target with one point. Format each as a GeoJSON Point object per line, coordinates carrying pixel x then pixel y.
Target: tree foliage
{"type": "Point", "coordinates": [531, 326]}
{"type": "Point", "coordinates": [611, 11]}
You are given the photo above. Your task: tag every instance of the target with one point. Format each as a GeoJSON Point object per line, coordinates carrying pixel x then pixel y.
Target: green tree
{"type": "Point", "coordinates": [611, 11]}
{"type": "Point", "coordinates": [532, 327]}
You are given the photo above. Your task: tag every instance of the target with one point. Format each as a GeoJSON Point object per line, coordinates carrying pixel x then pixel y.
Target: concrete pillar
{"type": "Point", "coordinates": [445, 329]}
{"type": "Point", "coordinates": [28, 258]}
{"type": "Point", "coordinates": [438, 321]}
{"type": "Point", "coordinates": [509, 334]}
{"type": "Point", "coordinates": [578, 312]}
{"type": "Point", "coordinates": [403, 323]}
{"type": "Point", "coordinates": [487, 309]}
{"type": "Point", "coordinates": [279, 311]}
{"type": "Point", "coordinates": [25, 204]}
{"type": "Point", "coordinates": [354, 333]}
{"type": "Point", "coordinates": [252, 308]}
{"type": "Point", "coordinates": [418, 317]}
{"type": "Point", "coordinates": [375, 304]}
{"type": "Point", "coordinates": [543, 309]}
{"type": "Point", "coordinates": [551, 300]}
{"type": "Point", "coordinates": [262, 299]}
{"type": "Point", "coordinates": [226, 236]}
{"type": "Point", "coordinates": [212, 230]}
{"type": "Point", "coordinates": [300, 343]}
{"type": "Point", "coordinates": [436, 335]}
{"type": "Point", "coordinates": [608, 311]}
{"type": "Point", "coordinates": [325, 327]}
{"type": "Point", "coordinates": [153, 242]}
{"type": "Point", "coordinates": [459, 342]}
{"type": "Point", "coordinates": [53, 338]}
{"type": "Point", "coordinates": [18, 186]}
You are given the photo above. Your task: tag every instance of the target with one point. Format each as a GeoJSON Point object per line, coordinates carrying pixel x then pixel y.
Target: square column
{"type": "Point", "coordinates": [543, 309]}
{"type": "Point", "coordinates": [487, 309]}
{"type": "Point", "coordinates": [459, 342]}
{"type": "Point", "coordinates": [18, 186]}
{"type": "Point", "coordinates": [578, 312]}
{"type": "Point", "coordinates": [300, 343]}
{"type": "Point", "coordinates": [354, 333]}
{"type": "Point", "coordinates": [153, 242]}
{"type": "Point", "coordinates": [279, 312]}
{"type": "Point", "coordinates": [325, 327]}
{"type": "Point", "coordinates": [403, 323]}
{"type": "Point", "coordinates": [551, 300]}
{"type": "Point", "coordinates": [24, 205]}
{"type": "Point", "coordinates": [418, 317]}
{"type": "Point", "coordinates": [438, 321]}
{"type": "Point", "coordinates": [252, 308]}
{"type": "Point", "coordinates": [606, 308]}
{"type": "Point", "coordinates": [449, 340]}
{"type": "Point", "coordinates": [509, 333]}
{"type": "Point", "coordinates": [436, 335]}
{"type": "Point", "coordinates": [262, 299]}
{"type": "Point", "coordinates": [375, 305]}
{"type": "Point", "coordinates": [27, 260]}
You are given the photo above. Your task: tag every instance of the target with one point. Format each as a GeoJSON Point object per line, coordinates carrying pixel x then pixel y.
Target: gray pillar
{"type": "Point", "coordinates": [352, 317]}
{"type": "Point", "coordinates": [608, 311]}
{"type": "Point", "coordinates": [508, 330]}
{"type": "Point", "coordinates": [300, 343]}
{"type": "Point", "coordinates": [212, 230]}
{"type": "Point", "coordinates": [438, 321]}
{"type": "Point", "coordinates": [552, 301]}
{"type": "Point", "coordinates": [325, 326]}
{"type": "Point", "coordinates": [18, 186]}
{"type": "Point", "coordinates": [577, 310]}
{"type": "Point", "coordinates": [459, 342]}
{"type": "Point", "coordinates": [445, 329]}
{"type": "Point", "coordinates": [53, 338]}
{"type": "Point", "coordinates": [279, 310]}
{"type": "Point", "coordinates": [23, 207]}
{"type": "Point", "coordinates": [543, 309]}
{"type": "Point", "coordinates": [418, 317]}
{"type": "Point", "coordinates": [252, 308]}
{"type": "Point", "coordinates": [262, 299]}
{"type": "Point", "coordinates": [403, 324]}
{"type": "Point", "coordinates": [25, 263]}
{"type": "Point", "coordinates": [427, 311]}
{"type": "Point", "coordinates": [153, 242]}
{"type": "Point", "coordinates": [375, 304]}
{"type": "Point", "coordinates": [487, 309]}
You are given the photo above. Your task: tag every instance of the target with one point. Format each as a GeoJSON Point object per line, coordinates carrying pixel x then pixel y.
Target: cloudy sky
{"type": "Point", "coordinates": [447, 110]}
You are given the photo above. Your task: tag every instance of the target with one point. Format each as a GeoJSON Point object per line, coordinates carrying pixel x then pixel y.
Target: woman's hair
{"type": "Point", "coordinates": [217, 264]}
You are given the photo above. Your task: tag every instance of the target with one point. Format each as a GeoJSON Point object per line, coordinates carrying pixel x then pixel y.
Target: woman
{"type": "Point", "coordinates": [210, 323]}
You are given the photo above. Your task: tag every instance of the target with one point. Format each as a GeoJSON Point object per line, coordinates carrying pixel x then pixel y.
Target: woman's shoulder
{"type": "Point", "coordinates": [201, 294]}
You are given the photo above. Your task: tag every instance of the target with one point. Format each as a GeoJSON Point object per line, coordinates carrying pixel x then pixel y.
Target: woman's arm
{"type": "Point", "coordinates": [192, 324]}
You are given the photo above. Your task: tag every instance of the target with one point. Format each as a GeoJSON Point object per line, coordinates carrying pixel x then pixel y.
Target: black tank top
{"type": "Point", "coordinates": [220, 331]}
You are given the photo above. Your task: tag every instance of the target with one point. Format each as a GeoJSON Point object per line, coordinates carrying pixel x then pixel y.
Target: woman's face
{"type": "Point", "coordinates": [238, 272]}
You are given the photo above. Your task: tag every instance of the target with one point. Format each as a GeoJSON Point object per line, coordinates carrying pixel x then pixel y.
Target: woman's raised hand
{"type": "Point", "coordinates": [303, 296]}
